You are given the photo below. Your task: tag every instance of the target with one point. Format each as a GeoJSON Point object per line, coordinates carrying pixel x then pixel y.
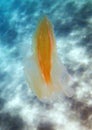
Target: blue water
{"type": "Point", "coordinates": [72, 24]}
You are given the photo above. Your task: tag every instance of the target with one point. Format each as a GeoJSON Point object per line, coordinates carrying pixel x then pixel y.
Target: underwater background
{"type": "Point", "coordinates": [72, 22]}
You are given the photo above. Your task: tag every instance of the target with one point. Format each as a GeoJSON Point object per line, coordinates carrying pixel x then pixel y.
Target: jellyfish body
{"type": "Point", "coordinates": [45, 73]}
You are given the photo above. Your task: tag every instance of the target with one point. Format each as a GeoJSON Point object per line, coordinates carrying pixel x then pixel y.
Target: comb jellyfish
{"type": "Point", "coordinates": [44, 71]}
